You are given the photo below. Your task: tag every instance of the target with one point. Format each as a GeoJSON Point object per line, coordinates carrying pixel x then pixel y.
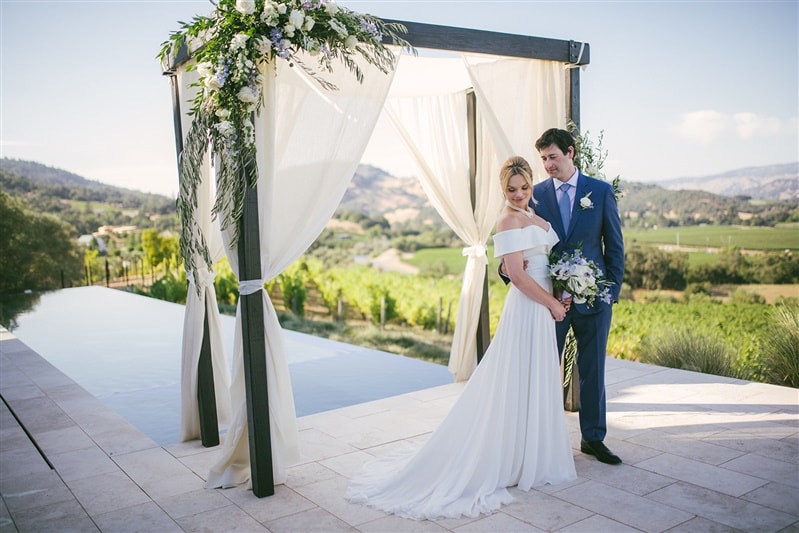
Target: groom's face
{"type": "Point", "coordinates": [557, 164]}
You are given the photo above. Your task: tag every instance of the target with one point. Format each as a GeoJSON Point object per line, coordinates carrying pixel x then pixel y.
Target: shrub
{"type": "Point", "coordinates": [689, 350]}
{"type": "Point", "coordinates": [701, 287]}
{"type": "Point", "coordinates": [781, 346]}
{"type": "Point", "coordinates": [742, 296]}
{"type": "Point", "coordinates": [170, 288]}
{"type": "Point", "coordinates": [657, 296]}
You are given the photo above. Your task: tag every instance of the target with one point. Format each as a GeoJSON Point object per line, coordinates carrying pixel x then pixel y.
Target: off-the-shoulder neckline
{"type": "Point", "coordinates": [525, 227]}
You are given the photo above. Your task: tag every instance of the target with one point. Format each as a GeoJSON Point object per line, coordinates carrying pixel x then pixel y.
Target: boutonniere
{"type": "Point", "coordinates": [586, 203]}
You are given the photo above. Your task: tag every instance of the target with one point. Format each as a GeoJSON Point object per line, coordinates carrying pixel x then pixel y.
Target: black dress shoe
{"type": "Point", "coordinates": [598, 449]}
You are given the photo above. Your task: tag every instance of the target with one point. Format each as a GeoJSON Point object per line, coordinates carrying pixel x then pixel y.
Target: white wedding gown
{"type": "Point", "coordinates": [508, 426]}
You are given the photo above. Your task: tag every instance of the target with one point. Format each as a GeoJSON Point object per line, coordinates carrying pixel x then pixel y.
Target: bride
{"type": "Point", "coordinates": [508, 427]}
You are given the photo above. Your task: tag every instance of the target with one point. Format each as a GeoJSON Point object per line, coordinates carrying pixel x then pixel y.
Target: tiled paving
{"type": "Point", "coordinates": [701, 453]}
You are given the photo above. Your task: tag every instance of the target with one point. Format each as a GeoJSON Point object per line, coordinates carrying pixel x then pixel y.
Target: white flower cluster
{"type": "Point", "coordinates": [580, 277]}
{"type": "Point", "coordinates": [230, 48]}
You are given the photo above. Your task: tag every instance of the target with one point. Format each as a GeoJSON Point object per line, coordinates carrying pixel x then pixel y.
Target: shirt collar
{"type": "Point", "coordinates": [572, 181]}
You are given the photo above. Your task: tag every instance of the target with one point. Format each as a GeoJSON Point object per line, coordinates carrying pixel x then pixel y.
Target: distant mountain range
{"type": "Point", "coordinates": [377, 193]}
{"type": "Point", "coordinates": [771, 182]}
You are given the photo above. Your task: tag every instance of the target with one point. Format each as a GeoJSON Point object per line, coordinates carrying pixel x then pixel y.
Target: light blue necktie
{"type": "Point", "coordinates": [565, 205]}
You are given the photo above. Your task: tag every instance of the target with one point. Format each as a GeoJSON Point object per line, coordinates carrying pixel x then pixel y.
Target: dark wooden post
{"type": "Point", "coordinates": [483, 331]}
{"type": "Point", "coordinates": [572, 394]}
{"type": "Point", "coordinates": [206, 394]}
{"type": "Point", "coordinates": [254, 345]}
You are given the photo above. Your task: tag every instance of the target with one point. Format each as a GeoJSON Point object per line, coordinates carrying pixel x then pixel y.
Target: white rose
{"type": "Point", "coordinates": [248, 96]}
{"type": "Point", "coordinates": [212, 82]}
{"type": "Point", "coordinates": [222, 113]}
{"type": "Point", "coordinates": [331, 7]}
{"type": "Point", "coordinates": [264, 45]}
{"type": "Point", "coordinates": [583, 271]}
{"type": "Point", "coordinates": [351, 42]}
{"type": "Point", "coordinates": [309, 22]}
{"type": "Point", "coordinates": [225, 128]}
{"type": "Point", "coordinates": [239, 41]}
{"type": "Point", "coordinates": [288, 30]}
{"type": "Point", "coordinates": [297, 18]}
{"type": "Point", "coordinates": [205, 69]}
{"type": "Point", "coordinates": [585, 201]}
{"type": "Point", "coordinates": [245, 7]}
{"type": "Point", "coordinates": [281, 8]}
{"type": "Point", "coordinates": [578, 288]}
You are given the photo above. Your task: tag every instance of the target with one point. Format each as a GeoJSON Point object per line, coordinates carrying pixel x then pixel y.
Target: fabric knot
{"type": "Point", "coordinates": [250, 286]}
{"type": "Point", "coordinates": [475, 251]}
{"type": "Point", "coordinates": [201, 278]}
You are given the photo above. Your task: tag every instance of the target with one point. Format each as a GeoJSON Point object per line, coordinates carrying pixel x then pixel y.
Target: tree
{"type": "Point", "coordinates": [646, 267]}
{"type": "Point", "coordinates": [38, 250]}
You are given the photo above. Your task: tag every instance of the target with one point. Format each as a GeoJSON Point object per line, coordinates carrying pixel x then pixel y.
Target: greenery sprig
{"type": "Point", "coordinates": [228, 48]}
{"type": "Point", "coordinates": [590, 157]}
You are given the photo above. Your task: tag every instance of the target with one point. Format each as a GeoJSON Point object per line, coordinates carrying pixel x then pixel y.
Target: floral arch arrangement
{"type": "Point", "coordinates": [228, 48]}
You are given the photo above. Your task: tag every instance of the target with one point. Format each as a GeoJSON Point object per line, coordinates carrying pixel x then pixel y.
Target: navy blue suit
{"type": "Point", "coordinates": [597, 230]}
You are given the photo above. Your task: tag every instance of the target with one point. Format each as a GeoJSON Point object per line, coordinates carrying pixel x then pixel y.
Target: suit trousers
{"type": "Point", "coordinates": [591, 333]}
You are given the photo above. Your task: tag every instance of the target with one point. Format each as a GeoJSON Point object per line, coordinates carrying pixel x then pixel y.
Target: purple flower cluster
{"type": "Point", "coordinates": [371, 28]}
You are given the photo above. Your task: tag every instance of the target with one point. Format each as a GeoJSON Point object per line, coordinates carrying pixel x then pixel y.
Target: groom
{"type": "Point", "coordinates": [583, 212]}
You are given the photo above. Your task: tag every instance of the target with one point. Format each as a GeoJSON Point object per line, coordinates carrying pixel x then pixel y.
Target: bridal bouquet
{"type": "Point", "coordinates": [580, 277]}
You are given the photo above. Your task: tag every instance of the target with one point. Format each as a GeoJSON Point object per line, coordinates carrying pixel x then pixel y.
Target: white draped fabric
{"type": "Point", "coordinates": [510, 117]}
{"type": "Point", "coordinates": [434, 128]}
{"type": "Point", "coordinates": [309, 143]}
{"type": "Point", "coordinates": [516, 113]}
{"type": "Point", "coordinates": [202, 301]}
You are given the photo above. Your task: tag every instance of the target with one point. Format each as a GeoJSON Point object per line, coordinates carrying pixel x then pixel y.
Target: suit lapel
{"type": "Point", "coordinates": [547, 207]}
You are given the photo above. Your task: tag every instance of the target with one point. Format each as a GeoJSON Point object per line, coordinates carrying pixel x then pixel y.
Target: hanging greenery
{"type": "Point", "coordinates": [590, 158]}
{"type": "Point", "coordinates": [227, 48]}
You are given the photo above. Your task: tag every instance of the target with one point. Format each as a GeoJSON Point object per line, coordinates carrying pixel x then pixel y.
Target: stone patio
{"type": "Point", "coordinates": [701, 453]}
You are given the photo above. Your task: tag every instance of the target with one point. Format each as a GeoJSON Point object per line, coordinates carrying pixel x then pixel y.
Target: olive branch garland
{"type": "Point", "coordinates": [227, 48]}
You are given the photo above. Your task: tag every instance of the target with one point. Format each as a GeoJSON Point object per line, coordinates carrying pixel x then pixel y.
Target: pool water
{"type": "Point", "coordinates": [125, 349]}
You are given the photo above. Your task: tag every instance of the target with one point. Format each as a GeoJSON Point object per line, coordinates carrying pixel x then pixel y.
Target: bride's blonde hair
{"type": "Point", "coordinates": [516, 164]}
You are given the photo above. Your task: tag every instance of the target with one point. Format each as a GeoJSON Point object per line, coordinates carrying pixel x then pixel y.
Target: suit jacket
{"type": "Point", "coordinates": [595, 229]}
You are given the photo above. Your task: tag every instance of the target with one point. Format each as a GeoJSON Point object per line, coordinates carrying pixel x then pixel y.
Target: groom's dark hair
{"type": "Point", "coordinates": [562, 138]}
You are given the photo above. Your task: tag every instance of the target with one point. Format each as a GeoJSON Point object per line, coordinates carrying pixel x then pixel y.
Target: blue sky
{"type": "Point", "coordinates": [680, 88]}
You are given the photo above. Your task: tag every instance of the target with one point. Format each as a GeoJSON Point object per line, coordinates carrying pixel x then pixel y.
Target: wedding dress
{"type": "Point", "coordinates": [508, 426]}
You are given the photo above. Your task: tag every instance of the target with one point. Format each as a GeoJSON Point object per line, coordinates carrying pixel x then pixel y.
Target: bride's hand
{"type": "Point", "coordinates": [567, 303]}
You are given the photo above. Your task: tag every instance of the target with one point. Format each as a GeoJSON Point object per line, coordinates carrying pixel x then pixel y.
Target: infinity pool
{"type": "Point", "coordinates": [125, 349]}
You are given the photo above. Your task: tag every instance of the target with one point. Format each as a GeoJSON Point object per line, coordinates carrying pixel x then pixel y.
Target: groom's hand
{"type": "Point", "coordinates": [502, 267]}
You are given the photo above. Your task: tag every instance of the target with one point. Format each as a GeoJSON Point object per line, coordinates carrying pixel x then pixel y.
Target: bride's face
{"type": "Point", "coordinates": [518, 191]}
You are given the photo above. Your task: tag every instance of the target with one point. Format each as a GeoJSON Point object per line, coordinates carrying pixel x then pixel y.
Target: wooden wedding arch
{"type": "Point", "coordinates": [572, 54]}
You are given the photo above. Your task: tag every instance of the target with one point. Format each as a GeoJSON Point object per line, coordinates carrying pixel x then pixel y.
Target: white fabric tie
{"type": "Point", "coordinates": [249, 286]}
{"type": "Point", "coordinates": [202, 278]}
{"type": "Point", "coordinates": [476, 252]}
